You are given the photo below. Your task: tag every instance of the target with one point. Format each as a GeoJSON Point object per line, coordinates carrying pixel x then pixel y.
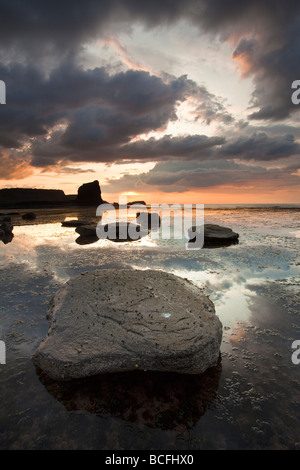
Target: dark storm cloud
{"type": "Point", "coordinates": [168, 147]}
{"type": "Point", "coordinates": [267, 47]}
{"type": "Point", "coordinates": [66, 113]}
{"type": "Point", "coordinates": [178, 176]}
{"type": "Point", "coordinates": [261, 147]}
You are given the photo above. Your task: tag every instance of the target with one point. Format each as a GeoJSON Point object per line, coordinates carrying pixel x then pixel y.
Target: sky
{"type": "Point", "coordinates": [162, 101]}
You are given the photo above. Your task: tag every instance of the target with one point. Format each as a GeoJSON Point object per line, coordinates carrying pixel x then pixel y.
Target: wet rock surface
{"type": "Point", "coordinates": [215, 236]}
{"type": "Point", "coordinates": [113, 321]}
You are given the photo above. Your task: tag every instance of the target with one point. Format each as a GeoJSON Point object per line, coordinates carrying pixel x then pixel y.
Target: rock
{"type": "Point", "coordinates": [5, 218]}
{"type": "Point", "coordinates": [74, 223]}
{"type": "Point", "coordinates": [6, 234]}
{"type": "Point", "coordinates": [215, 236]}
{"type": "Point", "coordinates": [89, 194]}
{"type": "Point", "coordinates": [112, 320]}
{"type": "Point", "coordinates": [122, 232]}
{"type": "Point", "coordinates": [31, 196]}
{"type": "Point", "coordinates": [86, 240]}
{"type": "Point", "coordinates": [29, 216]}
{"type": "Point", "coordinates": [7, 238]}
{"type": "Point", "coordinates": [87, 231]}
{"type": "Point", "coordinates": [7, 227]}
{"type": "Point", "coordinates": [148, 220]}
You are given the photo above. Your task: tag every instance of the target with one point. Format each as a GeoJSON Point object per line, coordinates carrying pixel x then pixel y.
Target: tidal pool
{"type": "Point", "coordinates": [249, 401]}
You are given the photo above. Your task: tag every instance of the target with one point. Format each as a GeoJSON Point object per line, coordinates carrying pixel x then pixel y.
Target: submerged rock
{"type": "Point", "coordinates": [29, 216]}
{"type": "Point", "coordinates": [215, 236]}
{"type": "Point", "coordinates": [74, 223]}
{"type": "Point", "coordinates": [120, 320]}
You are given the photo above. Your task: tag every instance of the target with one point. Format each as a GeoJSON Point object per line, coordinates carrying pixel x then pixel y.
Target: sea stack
{"type": "Point", "coordinates": [89, 194]}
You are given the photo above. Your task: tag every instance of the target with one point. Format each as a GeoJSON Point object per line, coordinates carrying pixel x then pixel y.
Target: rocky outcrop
{"type": "Point", "coordinates": [120, 320]}
{"type": "Point", "coordinates": [89, 194]}
{"type": "Point", "coordinates": [26, 196]}
{"type": "Point", "coordinates": [214, 236]}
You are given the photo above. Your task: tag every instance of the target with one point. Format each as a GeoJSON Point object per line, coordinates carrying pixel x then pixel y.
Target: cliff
{"type": "Point", "coordinates": [26, 197]}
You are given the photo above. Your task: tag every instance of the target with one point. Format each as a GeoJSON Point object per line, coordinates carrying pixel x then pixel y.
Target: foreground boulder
{"type": "Point", "coordinates": [120, 320]}
{"type": "Point", "coordinates": [215, 236]}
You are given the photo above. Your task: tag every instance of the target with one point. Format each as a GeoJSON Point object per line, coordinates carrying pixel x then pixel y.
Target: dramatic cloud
{"type": "Point", "coordinates": [60, 113]}
{"type": "Point", "coordinates": [13, 167]}
{"type": "Point", "coordinates": [86, 115]}
{"type": "Point", "coordinates": [188, 176]}
{"type": "Point", "coordinates": [261, 147]}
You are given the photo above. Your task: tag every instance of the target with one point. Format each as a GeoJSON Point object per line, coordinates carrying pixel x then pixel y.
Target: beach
{"type": "Point", "coordinates": [250, 400]}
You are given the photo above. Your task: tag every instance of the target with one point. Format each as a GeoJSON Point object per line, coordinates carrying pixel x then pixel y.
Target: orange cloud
{"type": "Point", "coordinates": [14, 167]}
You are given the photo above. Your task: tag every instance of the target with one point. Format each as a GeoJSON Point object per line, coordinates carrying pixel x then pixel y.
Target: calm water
{"type": "Point", "coordinates": [250, 401]}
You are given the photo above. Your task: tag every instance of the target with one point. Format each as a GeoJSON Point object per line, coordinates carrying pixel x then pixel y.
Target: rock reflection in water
{"type": "Point", "coordinates": [166, 401]}
{"type": "Point", "coordinates": [7, 238]}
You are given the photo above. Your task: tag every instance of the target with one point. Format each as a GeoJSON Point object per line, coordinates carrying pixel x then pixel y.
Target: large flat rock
{"type": "Point", "coordinates": [120, 320]}
{"type": "Point", "coordinates": [214, 235]}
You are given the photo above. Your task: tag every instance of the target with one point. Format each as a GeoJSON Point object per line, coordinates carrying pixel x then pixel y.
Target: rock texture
{"type": "Point", "coordinates": [215, 236]}
{"type": "Point", "coordinates": [121, 320]}
{"type": "Point", "coordinates": [89, 194]}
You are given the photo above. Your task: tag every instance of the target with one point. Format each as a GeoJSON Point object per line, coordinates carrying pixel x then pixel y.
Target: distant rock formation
{"type": "Point", "coordinates": [89, 194]}
{"type": "Point", "coordinates": [18, 196]}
